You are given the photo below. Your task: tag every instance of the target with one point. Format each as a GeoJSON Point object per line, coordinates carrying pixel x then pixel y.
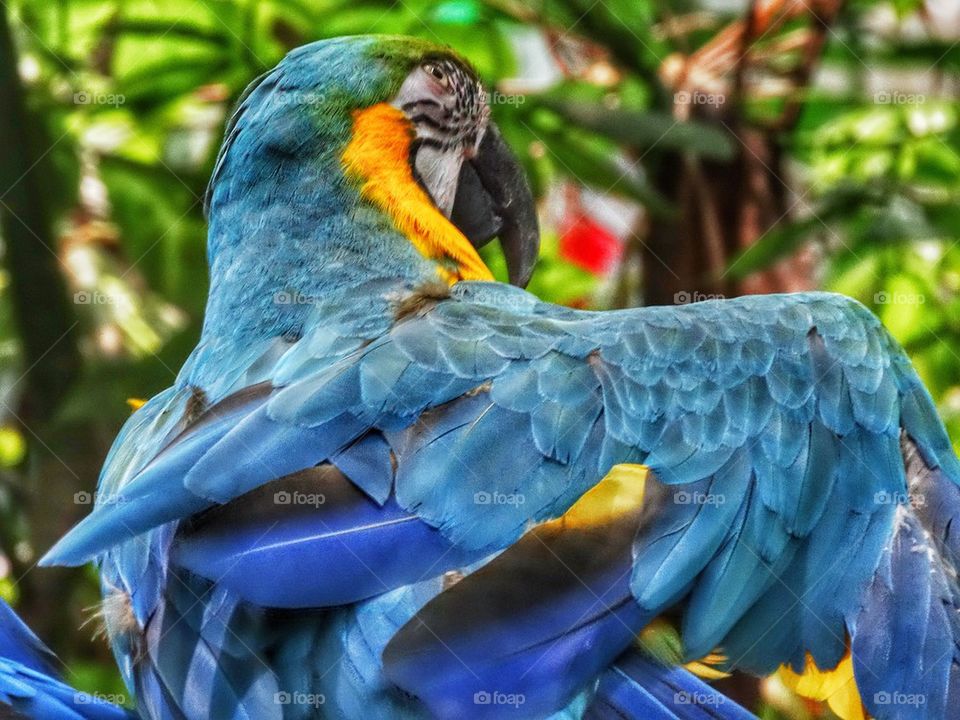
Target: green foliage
{"type": "Point", "coordinates": [883, 179]}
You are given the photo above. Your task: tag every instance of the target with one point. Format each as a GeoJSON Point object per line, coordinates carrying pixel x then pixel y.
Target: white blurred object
{"type": "Point", "coordinates": [536, 68]}
{"type": "Point", "coordinates": [944, 18]}
{"type": "Point", "coordinates": [29, 69]}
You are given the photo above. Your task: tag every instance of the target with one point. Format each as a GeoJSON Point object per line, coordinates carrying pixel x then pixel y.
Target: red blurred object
{"type": "Point", "coordinates": [588, 244]}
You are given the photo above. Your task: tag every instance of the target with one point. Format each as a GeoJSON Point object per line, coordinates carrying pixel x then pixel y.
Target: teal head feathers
{"type": "Point", "coordinates": [353, 160]}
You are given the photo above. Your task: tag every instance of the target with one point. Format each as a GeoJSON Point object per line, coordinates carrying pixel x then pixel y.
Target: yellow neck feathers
{"type": "Point", "coordinates": [378, 156]}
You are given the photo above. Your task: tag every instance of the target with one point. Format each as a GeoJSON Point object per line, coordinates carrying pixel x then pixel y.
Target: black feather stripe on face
{"type": "Point", "coordinates": [446, 106]}
{"type": "Point", "coordinates": [456, 121]}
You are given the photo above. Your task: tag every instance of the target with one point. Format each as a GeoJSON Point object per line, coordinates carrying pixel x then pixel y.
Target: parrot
{"type": "Point", "coordinates": [384, 485]}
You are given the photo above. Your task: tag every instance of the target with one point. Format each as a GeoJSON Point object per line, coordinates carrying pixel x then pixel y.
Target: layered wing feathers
{"type": "Point", "coordinates": [772, 425]}
{"type": "Point", "coordinates": [500, 395]}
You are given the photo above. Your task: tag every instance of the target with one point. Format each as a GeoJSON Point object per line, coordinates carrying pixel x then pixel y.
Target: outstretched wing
{"type": "Point", "coordinates": [771, 424]}
{"type": "Point", "coordinates": [30, 686]}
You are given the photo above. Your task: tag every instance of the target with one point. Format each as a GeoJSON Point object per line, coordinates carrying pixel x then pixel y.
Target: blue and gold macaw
{"type": "Point", "coordinates": [385, 486]}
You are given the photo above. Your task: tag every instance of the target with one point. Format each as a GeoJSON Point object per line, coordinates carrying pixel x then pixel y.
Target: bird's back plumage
{"type": "Point", "coordinates": [773, 439]}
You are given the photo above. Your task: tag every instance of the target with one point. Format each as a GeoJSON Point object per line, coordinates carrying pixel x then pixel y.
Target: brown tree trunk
{"type": "Point", "coordinates": [37, 289]}
{"type": "Point", "coordinates": [47, 333]}
{"type": "Point", "coordinates": [724, 208]}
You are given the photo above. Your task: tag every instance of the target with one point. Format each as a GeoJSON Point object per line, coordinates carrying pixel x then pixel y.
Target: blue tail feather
{"type": "Point", "coordinates": [30, 687]}
{"type": "Point", "coordinates": [320, 540]}
{"type": "Point", "coordinates": [200, 659]}
{"type": "Point", "coordinates": [639, 688]}
{"type": "Point", "coordinates": [537, 624]}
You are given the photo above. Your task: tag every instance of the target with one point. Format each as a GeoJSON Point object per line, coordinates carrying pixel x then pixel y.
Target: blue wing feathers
{"type": "Point", "coordinates": [320, 541]}
{"type": "Point", "coordinates": [638, 687]}
{"type": "Point", "coordinates": [538, 622]}
{"type": "Point", "coordinates": [18, 644]}
{"type": "Point", "coordinates": [489, 410]}
{"type": "Point", "coordinates": [259, 449]}
{"type": "Point", "coordinates": [906, 672]}
{"type": "Point", "coordinates": [201, 656]}
{"type": "Point", "coordinates": [368, 465]}
{"type": "Point", "coordinates": [758, 548]}
{"type": "Point", "coordinates": [673, 547]}
{"type": "Point", "coordinates": [157, 493]}
{"type": "Point", "coordinates": [30, 687]}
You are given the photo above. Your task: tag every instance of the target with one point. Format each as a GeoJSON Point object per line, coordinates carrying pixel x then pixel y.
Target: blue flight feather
{"type": "Point", "coordinates": [320, 540]}
{"type": "Point", "coordinates": [30, 687]}
{"type": "Point", "coordinates": [638, 687]}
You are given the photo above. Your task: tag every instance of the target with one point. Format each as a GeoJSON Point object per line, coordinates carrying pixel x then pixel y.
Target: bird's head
{"type": "Point", "coordinates": [375, 149]}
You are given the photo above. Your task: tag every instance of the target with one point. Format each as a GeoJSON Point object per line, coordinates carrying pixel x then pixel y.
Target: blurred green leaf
{"type": "Point", "coordinates": [647, 129]}
{"type": "Point", "coordinates": [586, 161]}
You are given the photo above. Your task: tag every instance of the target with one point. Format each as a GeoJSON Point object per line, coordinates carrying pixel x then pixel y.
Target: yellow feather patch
{"type": "Point", "coordinates": [378, 156]}
{"type": "Point", "coordinates": [621, 491]}
{"type": "Point", "coordinates": [836, 687]}
{"type": "Point", "coordinates": [135, 403]}
{"type": "Point", "coordinates": [706, 667]}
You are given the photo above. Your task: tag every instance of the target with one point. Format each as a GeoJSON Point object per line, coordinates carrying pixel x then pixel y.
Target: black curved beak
{"type": "Point", "coordinates": [494, 200]}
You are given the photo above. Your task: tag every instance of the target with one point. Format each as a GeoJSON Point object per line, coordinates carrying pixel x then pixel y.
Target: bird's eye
{"type": "Point", "coordinates": [437, 73]}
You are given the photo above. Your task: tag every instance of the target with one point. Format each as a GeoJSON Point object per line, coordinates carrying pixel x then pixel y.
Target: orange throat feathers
{"type": "Point", "coordinates": [378, 158]}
